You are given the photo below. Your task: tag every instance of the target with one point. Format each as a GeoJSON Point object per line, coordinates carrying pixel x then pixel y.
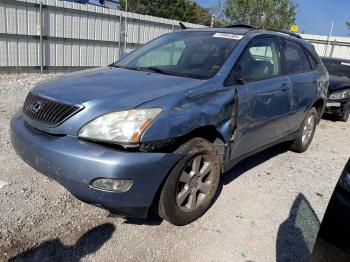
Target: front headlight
{"type": "Point", "coordinates": [120, 127]}
{"type": "Point", "coordinates": [340, 95]}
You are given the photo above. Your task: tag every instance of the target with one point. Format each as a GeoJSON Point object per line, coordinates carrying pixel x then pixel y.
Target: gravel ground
{"type": "Point", "coordinates": [263, 206]}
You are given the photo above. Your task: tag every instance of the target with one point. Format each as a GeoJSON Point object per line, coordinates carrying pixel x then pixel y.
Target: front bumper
{"type": "Point", "coordinates": [336, 107]}
{"type": "Point", "coordinates": [75, 163]}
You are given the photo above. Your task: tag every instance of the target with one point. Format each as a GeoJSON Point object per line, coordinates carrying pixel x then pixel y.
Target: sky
{"type": "Point", "coordinates": [316, 16]}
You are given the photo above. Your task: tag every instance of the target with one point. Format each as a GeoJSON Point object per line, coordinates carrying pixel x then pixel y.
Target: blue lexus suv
{"type": "Point", "coordinates": [156, 129]}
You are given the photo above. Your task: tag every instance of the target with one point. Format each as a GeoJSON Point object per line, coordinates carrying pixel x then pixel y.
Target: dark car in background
{"type": "Point", "coordinates": [159, 127]}
{"type": "Point", "coordinates": [333, 240]}
{"type": "Point", "coordinates": [338, 103]}
{"type": "Point", "coordinates": [305, 236]}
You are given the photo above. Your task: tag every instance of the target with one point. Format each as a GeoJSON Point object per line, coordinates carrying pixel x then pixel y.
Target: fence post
{"type": "Point", "coordinates": [41, 55]}
{"type": "Point", "coordinates": [329, 39]}
{"type": "Point", "coordinates": [120, 33]}
{"type": "Point", "coordinates": [126, 26]}
{"type": "Point", "coordinates": [334, 42]}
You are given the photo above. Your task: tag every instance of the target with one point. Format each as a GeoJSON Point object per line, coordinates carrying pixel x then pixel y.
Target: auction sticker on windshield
{"type": "Point", "coordinates": [228, 36]}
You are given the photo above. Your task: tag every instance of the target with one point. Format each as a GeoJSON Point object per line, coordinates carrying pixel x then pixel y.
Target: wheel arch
{"type": "Point", "coordinates": [319, 105]}
{"type": "Point", "coordinates": [208, 132]}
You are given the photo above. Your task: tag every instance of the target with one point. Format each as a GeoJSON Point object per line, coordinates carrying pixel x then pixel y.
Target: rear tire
{"type": "Point", "coordinates": [191, 185]}
{"type": "Point", "coordinates": [306, 132]}
{"type": "Point", "coordinates": [346, 113]}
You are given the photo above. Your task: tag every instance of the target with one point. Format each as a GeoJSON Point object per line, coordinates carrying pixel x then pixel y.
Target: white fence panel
{"type": "Point", "coordinates": [74, 35]}
{"type": "Point", "coordinates": [335, 46]}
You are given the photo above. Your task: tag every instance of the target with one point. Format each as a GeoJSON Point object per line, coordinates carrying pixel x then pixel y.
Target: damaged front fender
{"type": "Point", "coordinates": [192, 110]}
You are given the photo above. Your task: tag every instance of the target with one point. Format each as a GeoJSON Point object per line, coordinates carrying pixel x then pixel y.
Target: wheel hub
{"type": "Point", "coordinates": [194, 183]}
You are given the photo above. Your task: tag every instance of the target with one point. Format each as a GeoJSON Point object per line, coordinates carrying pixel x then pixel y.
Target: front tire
{"type": "Point", "coordinates": [191, 185]}
{"type": "Point", "coordinates": [306, 132]}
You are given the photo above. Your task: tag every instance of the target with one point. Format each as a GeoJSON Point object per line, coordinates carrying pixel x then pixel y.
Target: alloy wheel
{"type": "Point", "coordinates": [194, 183]}
{"type": "Point", "coordinates": [308, 129]}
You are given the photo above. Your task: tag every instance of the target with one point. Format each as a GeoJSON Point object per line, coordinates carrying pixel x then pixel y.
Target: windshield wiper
{"type": "Point", "coordinates": [115, 65]}
{"type": "Point", "coordinates": [158, 70]}
{"type": "Point", "coordinates": [155, 69]}
{"type": "Point", "coordinates": [148, 68]}
{"type": "Point", "coordinates": [125, 67]}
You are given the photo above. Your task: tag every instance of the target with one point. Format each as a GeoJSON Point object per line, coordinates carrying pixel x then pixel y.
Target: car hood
{"type": "Point", "coordinates": [337, 83]}
{"type": "Point", "coordinates": [127, 88]}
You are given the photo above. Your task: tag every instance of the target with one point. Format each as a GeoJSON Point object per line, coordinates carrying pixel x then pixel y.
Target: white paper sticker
{"type": "Point", "coordinates": [2, 184]}
{"type": "Point", "coordinates": [346, 64]}
{"type": "Point", "coordinates": [228, 36]}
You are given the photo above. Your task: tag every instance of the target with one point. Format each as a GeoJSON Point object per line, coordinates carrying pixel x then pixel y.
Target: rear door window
{"type": "Point", "coordinates": [295, 59]}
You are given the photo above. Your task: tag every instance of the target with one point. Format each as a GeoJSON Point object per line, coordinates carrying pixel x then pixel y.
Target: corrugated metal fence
{"type": "Point", "coordinates": [57, 35]}
{"type": "Point", "coordinates": [62, 36]}
{"type": "Point", "coordinates": [334, 46]}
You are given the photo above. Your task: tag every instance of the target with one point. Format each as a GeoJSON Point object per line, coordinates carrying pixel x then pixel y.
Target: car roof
{"type": "Point", "coordinates": [245, 30]}
{"type": "Point", "coordinates": [249, 30]}
{"type": "Point", "coordinates": [241, 30]}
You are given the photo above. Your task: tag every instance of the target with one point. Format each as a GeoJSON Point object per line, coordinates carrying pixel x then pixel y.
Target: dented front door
{"type": "Point", "coordinates": [263, 107]}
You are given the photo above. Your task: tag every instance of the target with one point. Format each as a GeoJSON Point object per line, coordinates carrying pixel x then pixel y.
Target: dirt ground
{"type": "Point", "coordinates": [268, 208]}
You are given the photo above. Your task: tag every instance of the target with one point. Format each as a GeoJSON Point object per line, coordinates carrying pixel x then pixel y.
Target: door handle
{"type": "Point", "coordinates": [284, 87]}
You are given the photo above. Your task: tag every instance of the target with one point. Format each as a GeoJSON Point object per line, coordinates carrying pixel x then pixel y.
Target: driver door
{"type": "Point", "coordinates": [264, 97]}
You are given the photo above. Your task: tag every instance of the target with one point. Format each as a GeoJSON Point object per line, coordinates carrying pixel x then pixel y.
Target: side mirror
{"type": "Point", "coordinates": [240, 80]}
{"type": "Point", "coordinates": [237, 75]}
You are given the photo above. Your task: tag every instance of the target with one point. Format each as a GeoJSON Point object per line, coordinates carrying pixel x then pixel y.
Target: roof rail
{"type": "Point", "coordinates": [240, 25]}
{"type": "Point", "coordinates": [286, 32]}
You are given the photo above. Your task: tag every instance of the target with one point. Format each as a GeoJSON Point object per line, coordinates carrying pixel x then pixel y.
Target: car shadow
{"type": "Point", "coordinates": [152, 219]}
{"type": "Point", "coordinates": [54, 250]}
{"type": "Point", "coordinates": [249, 163]}
{"type": "Point", "coordinates": [254, 161]}
{"type": "Point", "coordinates": [330, 117]}
{"type": "Point", "coordinates": [297, 235]}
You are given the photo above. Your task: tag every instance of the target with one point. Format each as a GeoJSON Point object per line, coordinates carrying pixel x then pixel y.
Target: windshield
{"type": "Point", "coordinates": [189, 54]}
{"type": "Point", "coordinates": [337, 68]}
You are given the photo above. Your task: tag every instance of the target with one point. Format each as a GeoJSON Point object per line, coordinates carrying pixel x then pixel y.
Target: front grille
{"type": "Point", "coordinates": [46, 111]}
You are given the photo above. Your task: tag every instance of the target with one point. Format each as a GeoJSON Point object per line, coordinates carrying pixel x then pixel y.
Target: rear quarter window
{"type": "Point", "coordinates": [312, 60]}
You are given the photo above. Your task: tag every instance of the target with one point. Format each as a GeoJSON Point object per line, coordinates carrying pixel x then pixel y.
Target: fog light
{"type": "Point", "coordinates": [112, 185]}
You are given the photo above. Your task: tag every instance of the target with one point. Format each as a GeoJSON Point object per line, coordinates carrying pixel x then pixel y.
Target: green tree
{"type": "Point", "coordinates": [348, 25]}
{"type": "Point", "coordinates": [274, 14]}
{"type": "Point", "coordinates": [183, 10]}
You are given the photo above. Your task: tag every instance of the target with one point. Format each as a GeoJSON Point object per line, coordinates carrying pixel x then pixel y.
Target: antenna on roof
{"type": "Point", "coordinates": [182, 25]}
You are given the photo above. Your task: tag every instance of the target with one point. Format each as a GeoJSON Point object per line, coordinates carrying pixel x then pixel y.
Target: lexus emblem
{"type": "Point", "coordinates": [36, 106]}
